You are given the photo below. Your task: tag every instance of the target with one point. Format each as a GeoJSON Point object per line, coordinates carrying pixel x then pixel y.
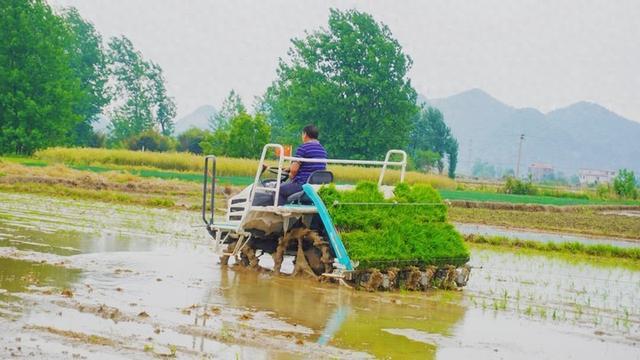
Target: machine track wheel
{"type": "Point", "coordinates": [375, 280]}
{"type": "Point", "coordinates": [224, 259]}
{"type": "Point", "coordinates": [313, 254]}
{"type": "Point", "coordinates": [248, 257]}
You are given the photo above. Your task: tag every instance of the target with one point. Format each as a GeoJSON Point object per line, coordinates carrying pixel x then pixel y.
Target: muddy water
{"type": "Point", "coordinates": [86, 279]}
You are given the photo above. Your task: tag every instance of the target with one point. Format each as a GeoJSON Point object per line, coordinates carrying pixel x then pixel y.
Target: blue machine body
{"type": "Point", "coordinates": [334, 237]}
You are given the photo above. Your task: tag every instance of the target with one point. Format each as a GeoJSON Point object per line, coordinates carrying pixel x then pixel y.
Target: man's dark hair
{"type": "Point", "coordinates": [311, 131]}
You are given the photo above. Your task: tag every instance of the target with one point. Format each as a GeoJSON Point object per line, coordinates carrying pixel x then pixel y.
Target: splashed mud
{"type": "Point", "coordinates": [145, 283]}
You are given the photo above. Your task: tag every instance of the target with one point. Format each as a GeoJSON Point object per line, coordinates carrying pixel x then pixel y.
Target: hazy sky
{"type": "Point", "coordinates": [542, 54]}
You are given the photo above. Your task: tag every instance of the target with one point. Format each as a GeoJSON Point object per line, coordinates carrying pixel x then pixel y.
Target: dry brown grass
{"type": "Point", "coordinates": [115, 187]}
{"type": "Point", "coordinates": [225, 166]}
{"type": "Point", "coordinates": [72, 335]}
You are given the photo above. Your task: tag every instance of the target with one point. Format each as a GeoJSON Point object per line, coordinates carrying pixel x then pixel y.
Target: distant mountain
{"type": "Point", "coordinates": [582, 135]}
{"type": "Point", "coordinates": [198, 119]}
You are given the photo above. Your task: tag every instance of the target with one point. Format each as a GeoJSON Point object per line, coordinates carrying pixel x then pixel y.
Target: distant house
{"type": "Point", "coordinates": [540, 171]}
{"type": "Point", "coordinates": [592, 176]}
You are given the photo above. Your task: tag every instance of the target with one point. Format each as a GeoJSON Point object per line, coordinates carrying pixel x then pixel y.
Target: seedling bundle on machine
{"type": "Point", "coordinates": [369, 236]}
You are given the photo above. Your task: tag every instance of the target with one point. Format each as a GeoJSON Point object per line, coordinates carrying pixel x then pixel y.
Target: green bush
{"type": "Point", "coordinates": [189, 141]}
{"type": "Point", "coordinates": [150, 141]}
{"type": "Point", "coordinates": [563, 194]}
{"type": "Point", "coordinates": [408, 229]}
{"type": "Point", "coordinates": [515, 186]}
{"type": "Point", "coordinates": [605, 191]}
{"type": "Point", "coordinates": [625, 184]}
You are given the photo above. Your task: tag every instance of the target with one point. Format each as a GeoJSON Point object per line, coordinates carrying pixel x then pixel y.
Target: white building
{"type": "Point", "coordinates": [592, 176]}
{"type": "Point", "coordinates": [539, 171]}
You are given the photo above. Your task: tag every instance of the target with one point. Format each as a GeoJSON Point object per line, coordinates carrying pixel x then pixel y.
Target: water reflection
{"type": "Point", "coordinates": [345, 318]}
{"type": "Point", "coordinates": [19, 275]}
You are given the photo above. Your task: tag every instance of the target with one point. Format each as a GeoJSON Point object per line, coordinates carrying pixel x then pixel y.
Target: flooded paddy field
{"type": "Point", "coordinates": [544, 236]}
{"type": "Point", "coordinates": [87, 279]}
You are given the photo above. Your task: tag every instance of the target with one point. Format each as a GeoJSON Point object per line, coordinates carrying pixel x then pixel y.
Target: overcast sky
{"type": "Point", "coordinates": [542, 54]}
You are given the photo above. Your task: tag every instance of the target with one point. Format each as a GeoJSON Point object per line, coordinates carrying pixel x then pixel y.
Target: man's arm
{"type": "Point", "coordinates": [293, 170]}
{"type": "Point", "coordinates": [295, 166]}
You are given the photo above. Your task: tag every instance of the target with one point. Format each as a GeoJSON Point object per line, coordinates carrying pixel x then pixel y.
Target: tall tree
{"type": "Point", "coordinates": [89, 63]}
{"type": "Point", "coordinates": [165, 107]}
{"type": "Point", "coordinates": [351, 81]}
{"type": "Point", "coordinates": [243, 136]}
{"type": "Point", "coordinates": [231, 107]}
{"type": "Point", "coordinates": [141, 100]}
{"type": "Point", "coordinates": [429, 132]}
{"type": "Point", "coordinates": [247, 135]}
{"type": "Point", "coordinates": [38, 87]}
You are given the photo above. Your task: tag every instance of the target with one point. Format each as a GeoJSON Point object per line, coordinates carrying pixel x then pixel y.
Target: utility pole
{"type": "Point", "coordinates": [519, 155]}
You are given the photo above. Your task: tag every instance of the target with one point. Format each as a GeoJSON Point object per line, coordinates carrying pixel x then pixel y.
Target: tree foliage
{"type": "Point", "coordinates": [430, 133]}
{"type": "Point", "coordinates": [231, 107]}
{"type": "Point", "coordinates": [483, 170]}
{"type": "Point", "coordinates": [38, 87]}
{"type": "Point", "coordinates": [189, 141]}
{"type": "Point", "coordinates": [89, 63]}
{"type": "Point", "coordinates": [244, 137]}
{"type": "Point", "coordinates": [150, 140]}
{"type": "Point", "coordinates": [424, 160]}
{"type": "Point", "coordinates": [142, 100]}
{"type": "Point", "coordinates": [625, 184]}
{"type": "Point", "coordinates": [349, 80]}
{"type": "Point", "coordinates": [54, 81]}
{"type": "Point", "coordinates": [519, 187]}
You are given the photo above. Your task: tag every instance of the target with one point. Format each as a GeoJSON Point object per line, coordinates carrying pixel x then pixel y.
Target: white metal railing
{"type": "Point", "coordinates": [282, 158]}
{"type": "Point", "coordinates": [256, 180]}
{"type": "Point", "coordinates": [402, 164]}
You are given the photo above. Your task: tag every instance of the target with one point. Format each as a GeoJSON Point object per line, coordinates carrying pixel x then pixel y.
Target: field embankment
{"type": "Point", "coordinates": [587, 220]}
{"type": "Point", "coordinates": [573, 248]}
{"type": "Point", "coordinates": [459, 197]}
{"type": "Point", "coordinates": [110, 186]}
{"type": "Point", "coordinates": [225, 166]}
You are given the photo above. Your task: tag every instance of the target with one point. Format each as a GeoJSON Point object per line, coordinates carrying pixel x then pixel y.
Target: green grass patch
{"type": "Point", "coordinates": [409, 229]}
{"type": "Point", "coordinates": [484, 196]}
{"type": "Point", "coordinates": [599, 250]}
{"type": "Point", "coordinates": [27, 161]}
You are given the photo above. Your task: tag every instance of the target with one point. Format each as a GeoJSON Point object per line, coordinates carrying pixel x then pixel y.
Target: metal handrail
{"type": "Point", "coordinates": [402, 164]}
{"type": "Point", "coordinates": [256, 180]}
{"type": "Point", "coordinates": [204, 188]}
{"type": "Point", "coordinates": [343, 161]}
{"type": "Point", "coordinates": [386, 162]}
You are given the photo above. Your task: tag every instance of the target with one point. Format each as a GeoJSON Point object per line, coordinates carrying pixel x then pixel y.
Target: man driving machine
{"type": "Point", "coordinates": [299, 172]}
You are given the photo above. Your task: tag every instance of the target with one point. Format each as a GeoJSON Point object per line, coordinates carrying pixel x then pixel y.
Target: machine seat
{"type": "Point", "coordinates": [318, 177]}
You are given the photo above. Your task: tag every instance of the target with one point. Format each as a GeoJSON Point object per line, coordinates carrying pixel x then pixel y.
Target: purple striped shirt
{"type": "Point", "coordinates": [311, 150]}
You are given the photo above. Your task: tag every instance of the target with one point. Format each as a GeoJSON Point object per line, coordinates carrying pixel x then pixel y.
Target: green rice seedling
{"type": "Point", "coordinates": [542, 312]}
{"type": "Point", "coordinates": [408, 229]}
{"type": "Point", "coordinates": [528, 311]}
